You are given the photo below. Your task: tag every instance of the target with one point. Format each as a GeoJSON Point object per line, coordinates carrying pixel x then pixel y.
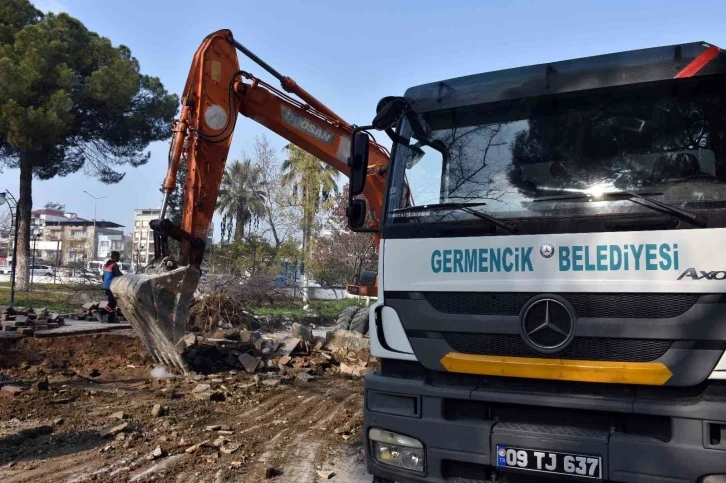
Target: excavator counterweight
{"type": "Point", "coordinates": [156, 301]}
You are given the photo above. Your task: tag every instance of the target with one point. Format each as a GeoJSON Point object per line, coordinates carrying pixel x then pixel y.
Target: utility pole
{"type": "Point", "coordinates": [95, 200]}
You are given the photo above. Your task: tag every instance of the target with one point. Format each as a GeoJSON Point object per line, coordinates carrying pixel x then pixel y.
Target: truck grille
{"type": "Point", "coordinates": [595, 305]}
{"type": "Point", "coordinates": [582, 348]}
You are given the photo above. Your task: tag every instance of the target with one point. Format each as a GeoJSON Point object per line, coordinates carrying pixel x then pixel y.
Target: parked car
{"type": "Point", "coordinates": [41, 270]}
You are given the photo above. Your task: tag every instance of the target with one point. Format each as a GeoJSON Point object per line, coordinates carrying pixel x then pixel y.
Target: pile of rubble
{"type": "Point", "coordinates": [93, 311]}
{"type": "Point", "coordinates": [27, 320]}
{"type": "Point", "coordinates": [300, 355]}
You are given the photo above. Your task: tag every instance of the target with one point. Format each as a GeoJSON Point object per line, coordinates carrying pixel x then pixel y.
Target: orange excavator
{"type": "Point", "coordinates": [156, 302]}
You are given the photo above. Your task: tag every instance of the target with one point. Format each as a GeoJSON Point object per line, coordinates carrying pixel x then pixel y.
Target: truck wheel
{"type": "Point", "coordinates": [344, 318]}
{"type": "Point", "coordinates": [360, 321]}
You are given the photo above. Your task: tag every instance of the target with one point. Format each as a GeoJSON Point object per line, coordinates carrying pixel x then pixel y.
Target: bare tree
{"type": "Point", "coordinates": [281, 216]}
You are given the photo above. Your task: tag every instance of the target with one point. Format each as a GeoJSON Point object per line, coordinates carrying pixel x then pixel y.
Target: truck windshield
{"type": "Point", "coordinates": [523, 159]}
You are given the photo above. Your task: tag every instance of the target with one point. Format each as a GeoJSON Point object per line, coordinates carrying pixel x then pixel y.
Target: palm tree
{"type": "Point", "coordinates": [240, 195]}
{"type": "Point", "coordinates": [312, 183]}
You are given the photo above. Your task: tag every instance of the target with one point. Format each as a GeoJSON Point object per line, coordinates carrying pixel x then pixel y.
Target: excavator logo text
{"type": "Point", "coordinates": [306, 126]}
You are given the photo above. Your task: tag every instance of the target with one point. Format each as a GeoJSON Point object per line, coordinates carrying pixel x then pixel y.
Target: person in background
{"type": "Point", "coordinates": [111, 271]}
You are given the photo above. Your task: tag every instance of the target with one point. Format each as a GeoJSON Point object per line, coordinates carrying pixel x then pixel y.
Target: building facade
{"type": "Point", "coordinates": [63, 238]}
{"type": "Point", "coordinates": [143, 236]}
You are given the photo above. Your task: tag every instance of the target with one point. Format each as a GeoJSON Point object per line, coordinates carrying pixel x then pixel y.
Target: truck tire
{"type": "Point", "coordinates": [360, 321]}
{"type": "Point", "coordinates": [345, 317]}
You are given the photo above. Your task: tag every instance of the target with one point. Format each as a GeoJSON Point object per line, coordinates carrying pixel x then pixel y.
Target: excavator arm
{"type": "Point", "coordinates": [216, 92]}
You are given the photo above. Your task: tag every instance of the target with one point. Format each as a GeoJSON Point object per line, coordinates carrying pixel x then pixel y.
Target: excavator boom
{"type": "Point", "coordinates": [156, 302]}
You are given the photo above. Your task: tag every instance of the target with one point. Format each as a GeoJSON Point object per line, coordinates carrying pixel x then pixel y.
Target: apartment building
{"type": "Point", "coordinates": [108, 243]}
{"type": "Point", "coordinates": [143, 235]}
{"type": "Point", "coordinates": [74, 237]}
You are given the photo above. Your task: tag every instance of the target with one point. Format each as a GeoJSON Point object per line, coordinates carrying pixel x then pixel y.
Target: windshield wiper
{"type": "Point", "coordinates": [467, 207]}
{"type": "Point", "coordinates": [685, 215]}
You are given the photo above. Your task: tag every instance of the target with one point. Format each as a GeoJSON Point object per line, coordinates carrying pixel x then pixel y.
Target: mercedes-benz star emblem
{"type": "Point", "coordinates": [547, 250]}
{"type": "Point", "coordinates": [548, 326]}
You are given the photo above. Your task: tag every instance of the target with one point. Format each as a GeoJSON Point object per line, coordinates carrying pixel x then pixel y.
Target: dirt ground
{"type": "Point", "coordinates": [289, 431]}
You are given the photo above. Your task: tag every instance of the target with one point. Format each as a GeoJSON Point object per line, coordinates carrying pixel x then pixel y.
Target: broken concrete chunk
{"type": "Point", "coordinates": [42, 384]}
{"type": "Point", "coordinates": [189, 340]}
{"type": "Point", "coordinates": [326, 475]}
{"type": "Point", "coordinates": [156, 454]}
{"type": "Point", "coordinates": [246, 336]}
{"type": "Point", "coordinates": [113, 430]}
{"type": "Point", "coordinates": [304, 377]}
{"type": "Point", "coordinates": [318, 343]}
{"type": "Point", "coordinates": [271, 382]}
{"type": "Point", "coordinates": [346, 369]}
{"type": "Point", "coordinates": [157, 410]}
{"type": "Point", "coordinates": [347, 339]}
{"type": "Point", "coordinates": [284, 360]}
{"type": "Point", "coordinates": [195, 447]}
{"type": "Point", "coordinates": [229, 449]}
{"type": "Point", "coordinates": [201, 388]}
{"type": "Point", "coordinates": [290, 345]}
{"type": "Point", "coordinates": [219, 442]}
{"type": "Point", "coordinates": [248, 362]}
{"type": "Point", "coordinates": [119, 415]}
{"type": "Point", "coordinates": [301, 332]}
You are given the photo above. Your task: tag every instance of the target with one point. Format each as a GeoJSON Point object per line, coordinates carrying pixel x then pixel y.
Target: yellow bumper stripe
{"type": "Point", "coordinates": [650, 373]}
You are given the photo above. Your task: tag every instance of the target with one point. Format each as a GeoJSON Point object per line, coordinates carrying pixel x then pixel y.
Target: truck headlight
{"type": "Point", "coordinates": [397, 450]}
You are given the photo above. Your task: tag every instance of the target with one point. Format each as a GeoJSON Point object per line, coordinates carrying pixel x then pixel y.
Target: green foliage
{"type": "Point", "coordinates": [252, 255]}
{"type": "Point", "coordinates": [69, 98]}
{"type": "Point", "coordinates": [241, 196]}
{"type": "Point", "coordinates": [313, 183]}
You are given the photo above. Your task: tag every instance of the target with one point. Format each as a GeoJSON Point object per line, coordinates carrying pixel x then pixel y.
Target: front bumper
{"type": "Point", "coordinates": [643, 434]}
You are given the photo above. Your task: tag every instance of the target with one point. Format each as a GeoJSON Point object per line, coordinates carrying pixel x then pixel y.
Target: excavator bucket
{"type": "Point", "coordinates": [156, 304]}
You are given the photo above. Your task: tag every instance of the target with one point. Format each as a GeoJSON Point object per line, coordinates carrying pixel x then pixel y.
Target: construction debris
{"type": "Point", "coordinates": [113, 430]}
{"type": "Point", "coordinates": [42, 384]}
{"type": "Point", "coordinates": [158, 410]}
{"type": "Point", "coordinates": [299, 356]}
{"type": "Point", "coordinates": [96, 311]}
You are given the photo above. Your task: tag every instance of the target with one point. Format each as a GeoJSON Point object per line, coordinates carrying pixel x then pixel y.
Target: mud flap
{"type": "Point", "coordinates": [157, 306]}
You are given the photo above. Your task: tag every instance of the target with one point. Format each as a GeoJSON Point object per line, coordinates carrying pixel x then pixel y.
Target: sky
{"type": "Point", "coordinates": [351, 54]}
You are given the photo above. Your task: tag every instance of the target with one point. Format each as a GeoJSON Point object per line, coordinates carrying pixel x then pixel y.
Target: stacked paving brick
{"type": "Point", "coordinates": [93, 311]}
{"type": "Point", "coordinates": [26, 320]}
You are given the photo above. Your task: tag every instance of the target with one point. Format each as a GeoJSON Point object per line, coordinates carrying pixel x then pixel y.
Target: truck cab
{"type": "Point", "coordinates": [552, 275]}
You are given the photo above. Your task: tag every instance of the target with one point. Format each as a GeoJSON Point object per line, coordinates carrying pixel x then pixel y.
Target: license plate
{"type": "Point", "coordinates": [584, 466]}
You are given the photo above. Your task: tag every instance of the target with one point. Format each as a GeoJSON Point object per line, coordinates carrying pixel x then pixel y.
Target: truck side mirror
{"type": "Point", "coordinates": [356, 213]}
{"type": "Point", "coordinates": [358, 163]}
